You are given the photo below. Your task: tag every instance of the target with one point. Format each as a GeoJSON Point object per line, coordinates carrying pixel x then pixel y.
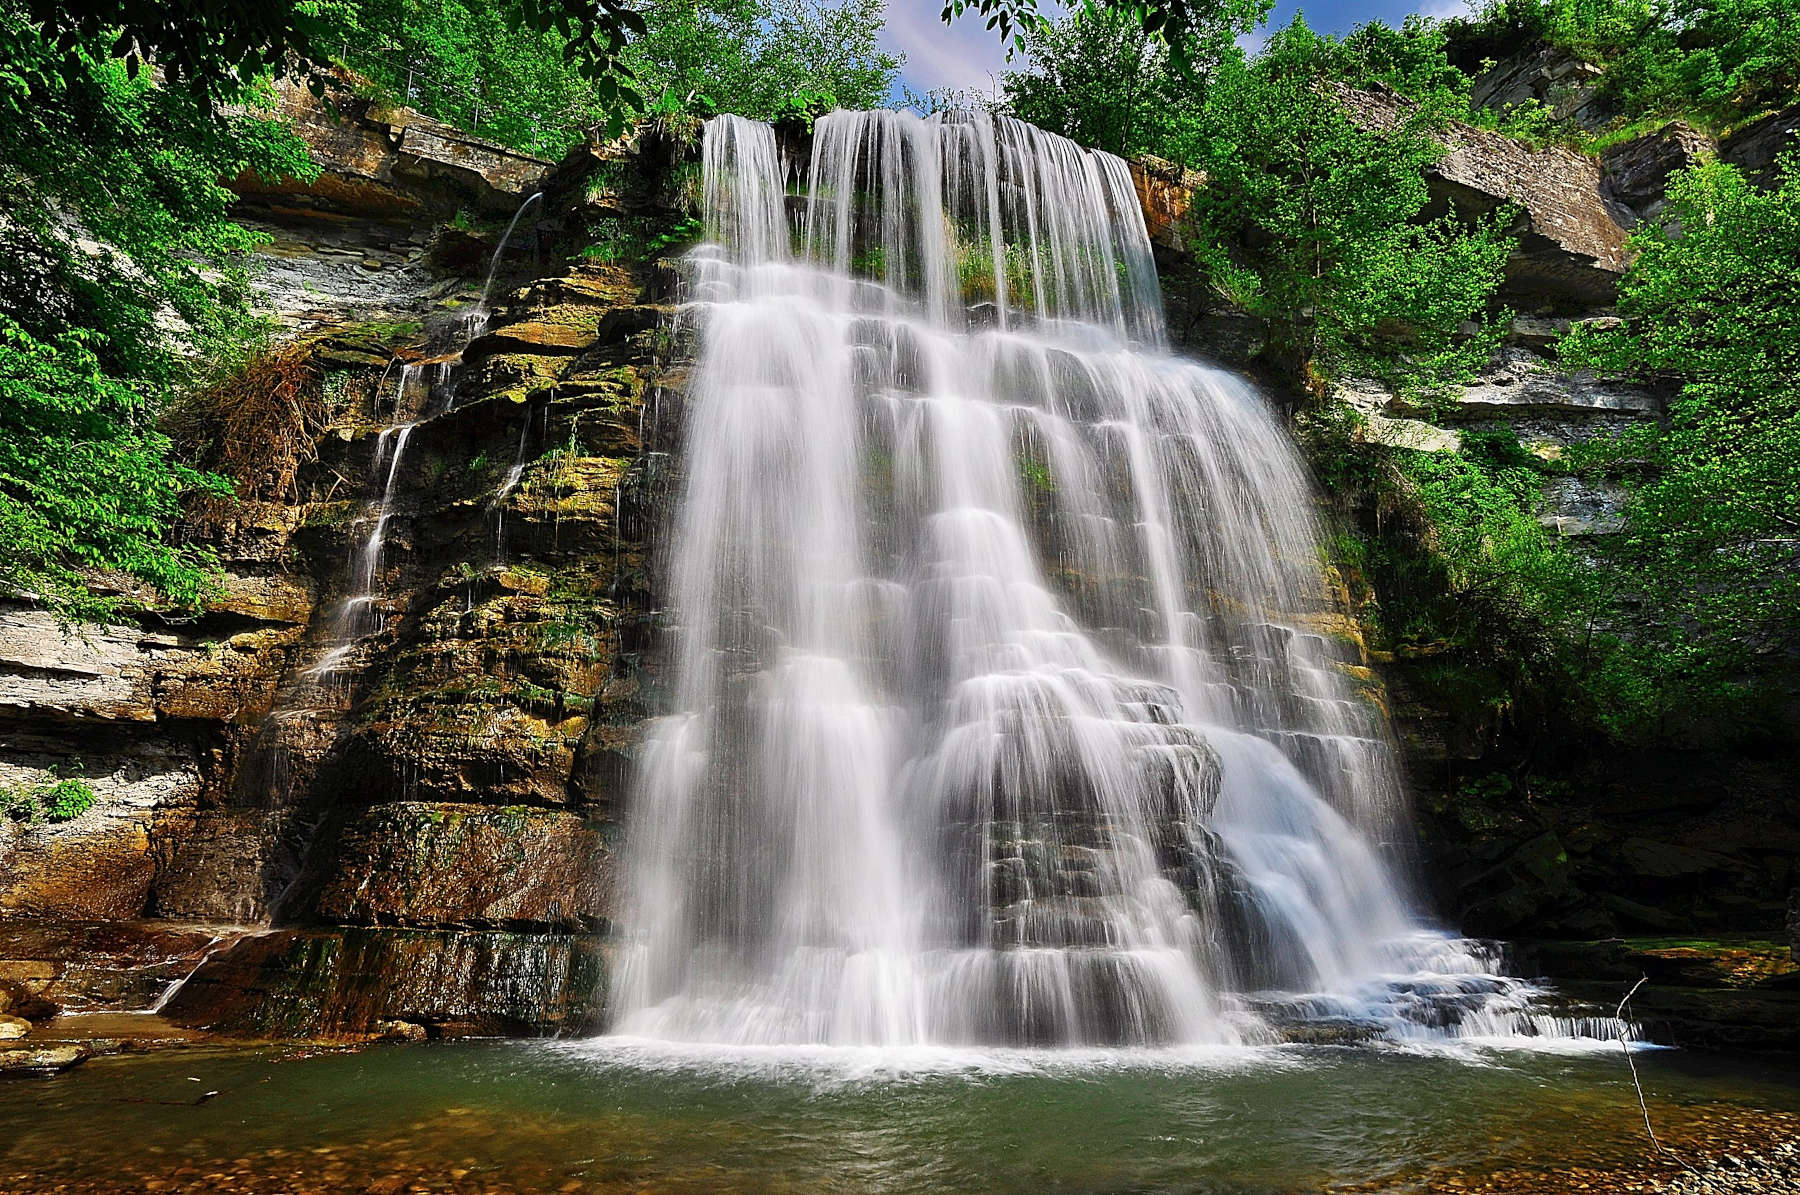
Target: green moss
{"type": "Point", "coordinates": [328, 514]}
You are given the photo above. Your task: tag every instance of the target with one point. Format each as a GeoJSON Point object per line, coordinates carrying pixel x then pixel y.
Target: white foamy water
{"type": "Point", "coordinates": [1005, 708]}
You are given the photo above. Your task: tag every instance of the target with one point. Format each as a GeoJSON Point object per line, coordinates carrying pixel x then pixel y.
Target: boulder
{"type": "Point", "coordinates": [384, 163]}
{"type": "Point", "coordinates": [1520, 381]}
{"type": "Point", "coordinates": [1572, 243]}
{"type": "Point", "coordinates": [42, 1061]}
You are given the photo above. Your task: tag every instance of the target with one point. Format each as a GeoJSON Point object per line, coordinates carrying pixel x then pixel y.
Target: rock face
{"type": "Point", "coordinates": [1546, 76]}
{"type": "Point", "coordinates": [1572, 235]}
{"type": "Point", "coordinates": [359, 796]}
{"type": "Point", "coordinates": [420, 779]}
{"type": "Point", "coordinates": [1755, 147]}
{"type": "Point", "coordinates": [353, 983]}
{"type": "Point", "coordinates": [1637, 171]}
{"type": "Point", "coordinates": [1164, 191]}
{"type": "Point", "coordinates": [391, 163]}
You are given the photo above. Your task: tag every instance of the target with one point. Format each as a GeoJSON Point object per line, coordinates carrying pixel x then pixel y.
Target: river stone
{"type": "Point", "coordinates": [13, 1027]}
{"type": "Point", "coordinates": [42, 1061]}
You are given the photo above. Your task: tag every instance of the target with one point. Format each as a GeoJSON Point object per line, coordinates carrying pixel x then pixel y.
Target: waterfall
{"type": "Point", "coordinates": [1004, 705]}
{"type": "Point", "coordinates": [476, 322]}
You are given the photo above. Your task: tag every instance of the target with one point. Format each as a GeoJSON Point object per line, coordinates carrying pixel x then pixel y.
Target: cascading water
{"type": "Point", "coordinates": [1004, 706]}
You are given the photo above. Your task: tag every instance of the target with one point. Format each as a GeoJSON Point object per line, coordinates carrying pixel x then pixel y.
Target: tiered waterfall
{"type": "Point", "coordinates": [1005, 706]}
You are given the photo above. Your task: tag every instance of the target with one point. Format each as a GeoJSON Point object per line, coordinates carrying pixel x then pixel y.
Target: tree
{"type": "Point", "coordinates": [1710, 552]}
{"type": "Point", "coordinates": [1714, 62]}
{"type": "Point", "coordinates": [216, 47]}
{"type": "Point", "coordinates": [116, 276]}
{"type": "Point", "coordinates": [745, 56]}
{"type": "Point", "coordinates": [1104, 81]}
{"type": "Point", "coordinates": [1316, 223]}
{"type": "Point", "coordinates": [1184, 25]}
{"type": "Point", "coordinates": [753, 56]}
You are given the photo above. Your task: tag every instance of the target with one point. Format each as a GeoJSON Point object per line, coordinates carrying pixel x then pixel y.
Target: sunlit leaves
{"type": "Point", "coordinates": [1712, 532]}
{"type": "Point", "coordinates": [116, 272]}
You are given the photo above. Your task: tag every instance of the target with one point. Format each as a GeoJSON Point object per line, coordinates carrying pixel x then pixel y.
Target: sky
{"type": "Point", "coordinates": [965, 55]}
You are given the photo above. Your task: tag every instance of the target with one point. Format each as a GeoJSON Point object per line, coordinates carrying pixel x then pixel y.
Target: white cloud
{"type": "Point", "coordinates": [963, 54]}
{"type": "Point", "coordinates": [1443, 10]}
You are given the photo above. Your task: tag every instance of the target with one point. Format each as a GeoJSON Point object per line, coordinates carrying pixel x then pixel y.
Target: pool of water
{"type": "Point", "coordinates": [509, 1116]}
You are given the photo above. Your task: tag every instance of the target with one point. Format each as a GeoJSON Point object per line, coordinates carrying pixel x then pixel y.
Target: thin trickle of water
{"type": "Point", "coordinates": [476, 322]}
{"type": "Point", "coordinates": [213, 946]}
{"type": "Point", "coordinates": [1005, 702]}
{"type": "Point", "coordinates": [360, 614]}
{"type": "Point", "coordinates": [508, 484]}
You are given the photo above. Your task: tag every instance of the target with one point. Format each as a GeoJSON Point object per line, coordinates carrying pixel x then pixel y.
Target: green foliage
{"type": "Point", "coordinates": [803, 107]}
{"type": "Point", "coordinates": [1710, 554]}
{"type": "Point", "coordinates": [49, 798]}
{"type": "Point", "coordinates": [1184, 25]}
{"type": "Point", "coordinates": [472, 64]}
{"type": "Point", "coordinates": [1714, 62]}
{"type": "Point", "coordinates": [214, 49]}
{"type": "Point", "coordinates": [768, 58]}
{"type": "Point", "coordinates": [211, 49]}
{"type": "Point", "coordinates": [1100, 79]}
{"type": "Point", "coordinates": [1308, 219]}
{"type": "Point", "coordinates": [1496, 611]}
{"type": "Point", "coordinates": [117, 275]}
{"type": "Point", "coordinates": [1317, 224]}
{"type": "Point", "coordinates": [476, 66]}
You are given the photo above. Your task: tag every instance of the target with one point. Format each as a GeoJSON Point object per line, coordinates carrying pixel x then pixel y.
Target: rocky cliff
{"type": "Point", "coordinates": [411, 752]}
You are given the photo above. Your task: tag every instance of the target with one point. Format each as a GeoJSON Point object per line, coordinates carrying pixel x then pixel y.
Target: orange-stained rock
{"type": "Point", "coordinates": [1165, 191]}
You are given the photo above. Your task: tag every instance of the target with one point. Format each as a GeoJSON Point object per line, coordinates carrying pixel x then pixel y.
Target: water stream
{"type": "Point", "coordinates": [1007, 706]}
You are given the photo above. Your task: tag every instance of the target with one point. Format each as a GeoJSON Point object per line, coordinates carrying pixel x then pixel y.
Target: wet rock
{"type": "Point", "coordinates": [1793, 924]}
{"type": "Point", "coordinates": [325, 983]}
{"type": "Point", "coordinates": [90, 966]}
{"type": "Point", "coordinates": [1327, 1031]}
{"type": "Point", "coordinates": [469, 865]}
{"type": "Point", "coordinates": [13, 1027]}
{"type": "Point", "coordinates": [18, 1001]}
{"type": "Point", "coordinates": [536, 336]}
{"type": "Point", "coordinates": [400, 1031]}
{"type": "Point", "coordinates": [41, 1061]}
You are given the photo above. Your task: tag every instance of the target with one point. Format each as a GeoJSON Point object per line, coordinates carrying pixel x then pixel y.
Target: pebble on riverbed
{"type": "Point", "coordinates": [1774, 1170]}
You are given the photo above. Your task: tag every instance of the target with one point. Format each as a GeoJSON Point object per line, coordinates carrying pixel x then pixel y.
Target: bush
{"type": "Point", "coordinates": [49, 798]}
